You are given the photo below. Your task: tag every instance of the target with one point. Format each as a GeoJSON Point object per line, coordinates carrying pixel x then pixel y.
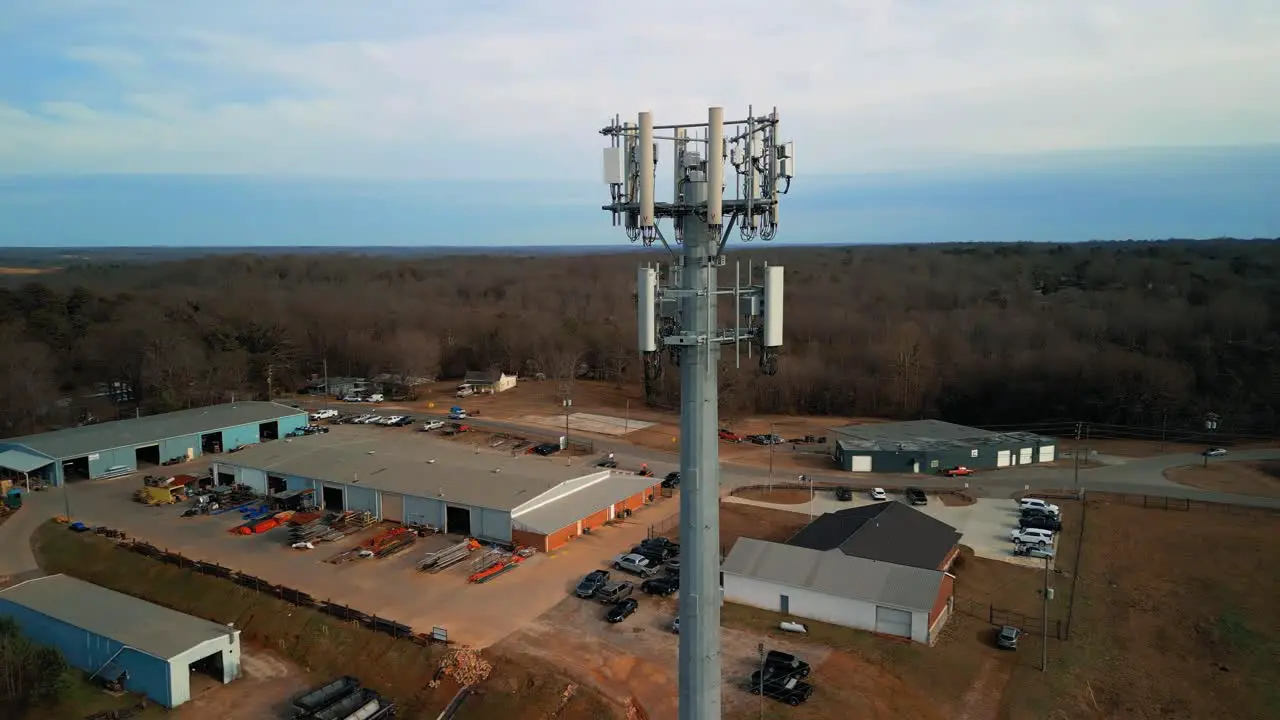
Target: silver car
{"type": "Point", "coordinates": [635, 564]}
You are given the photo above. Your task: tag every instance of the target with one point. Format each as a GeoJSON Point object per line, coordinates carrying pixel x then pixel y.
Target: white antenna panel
{"type": "Point", "coordinates": [715, 167]}
{"type": "Point", "coordinates": [646, 170]}
{"type": "Point", "coordinates": [615, 166]}
{"type": "Point", "coordinates": [773, 306]}
{"type": "Point", "coordinates": [646, 297]}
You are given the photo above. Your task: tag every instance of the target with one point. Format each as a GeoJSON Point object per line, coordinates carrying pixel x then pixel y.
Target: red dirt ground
{"type": "Point", "coordinates": [1244, 478]}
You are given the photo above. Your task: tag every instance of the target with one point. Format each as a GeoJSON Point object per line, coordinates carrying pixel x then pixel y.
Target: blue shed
{"type": "Point", "coordinates": [107, 633]}
{"type": "Point", "coordinates": [121, 447]}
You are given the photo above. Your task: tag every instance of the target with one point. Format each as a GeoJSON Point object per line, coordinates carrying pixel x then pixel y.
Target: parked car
{"type": "Point", "coordinates": [352, 398]}
{"type": "Point", "coordinates": [1007, 637]}
{"type": "Point", "coordinates": [675, 626]}
{"type": "Point", "coordinates": [957, 471]}
{"type": "Point", "coordinates": [616, 591]}
{"type": "Point", "coordinates": [403, 421]}
{"type": "Point", "coordinates": [1031, 502]}
{"type": "Point", "coordinates": [916, 496]}
{"type": "Point", "coordinates": [663, 586]}
{"type": "Point", "coordinates": [671, 548]}
{"type": "Point", "coordinates": [844, 494]}
{"type": "Point", "coordinates": [1036, 512]}
{"type": "Point", "coordinates": [430, 425]}
{"type": "Point", "coordinates": [607, 463]}
{"type": "Point", "coordinates": [391, 420]}
{"type": "Point", "coordinates": [790, 690]}
{"type": "Point", "coordinates": [672, 480]}
{"type": "Point", "coordinates": [622, 610]}
{"type": "Point", "coordinates": [730, 436]}
{"type": "Point", "coordinates": [591, 584]}
{"type": "Point", "coordinates": [458, 415]}
{"type": "Point", "coordinates": [376, 398]}
{"type": "Point", "coordinates": [662, 550]}
{"type": "Point", "coordinates": [635, 564]}
{"type": "Point", "coordinates": [324, 414]}
{"type": "Point", "coordinates": [777, 662]}
{"type": "Point", "coordinates": [1032, 536]}
{"type": "Point", "coordinates": [1040, 522]}
{"type": "Point", "coordinates": [545, 449]}
{"type": "Point", "coordinates": [1215, 452]}
{"type": "Point", "coordinates": [653, 555]}
{"type": "Point", "coordinates": [1035, 551]}
{"type": "Point", "coordinates": [879, 494]}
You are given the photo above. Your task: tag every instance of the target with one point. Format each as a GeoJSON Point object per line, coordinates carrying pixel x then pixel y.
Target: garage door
{"type": "Point", "coordinates": [1002, 458]}
{"type": "Point", "coordinates": [392, 507]}
{"type": "Point", "coordinates": [1025, 457]}
{"type": "Point", "coordinates": [891, 621]}
{"type": "Point", "coordinates": [1046, 453]}
{"type": "Point", "coordinates": [861, 463]}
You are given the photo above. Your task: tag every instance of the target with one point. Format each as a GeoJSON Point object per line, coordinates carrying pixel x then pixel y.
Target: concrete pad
{"type": "Point", "coordinates": [985, 525]}
{"type": "Point", "coordinates": [588, 422]}
{"type": "Point", "coordinates": [393, 588]}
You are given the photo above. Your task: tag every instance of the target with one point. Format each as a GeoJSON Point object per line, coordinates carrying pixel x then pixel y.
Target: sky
{"type": "Point", "coordinates": [434, 122]}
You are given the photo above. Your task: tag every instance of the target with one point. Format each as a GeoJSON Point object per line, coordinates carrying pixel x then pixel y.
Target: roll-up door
{"type": "Point", "coordinates": [891, 621]}
{"type": "Point", "coordinates": [1025, 457]}
{"type": "Point", "coordinates": [1046, 453]}
{"type": "Point", "coordinates": [392, 507]}
{"type": "Point", "coordinates": [861, 463]}
{"type": "Point", "coordinates": [1002, 458]}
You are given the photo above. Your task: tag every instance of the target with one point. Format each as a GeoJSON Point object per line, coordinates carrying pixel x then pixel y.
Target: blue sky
{"type": "Point", "coordinates": [432, 122]}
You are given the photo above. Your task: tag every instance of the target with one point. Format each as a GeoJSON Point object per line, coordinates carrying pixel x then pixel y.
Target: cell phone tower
{"type": "Point", "coordinates": [677, 313]}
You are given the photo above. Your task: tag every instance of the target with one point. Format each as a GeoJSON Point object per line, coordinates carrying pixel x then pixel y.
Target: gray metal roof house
{"type": "Point", "coordinates": [876, 568]}
{"type": "Point", "coordinates": [121, 447]}
{"type": "Point", "coordinates": [113, 635]}
{"type": "Point", "coordinates": [931, 446]}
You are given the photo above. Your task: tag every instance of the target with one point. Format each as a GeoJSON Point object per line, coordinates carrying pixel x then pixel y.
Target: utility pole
{"type": "Point", "coordinates": [1164, 427]}
{"type": "Point", "coordinates": [772, 433]}
{"type": "Point", "coordinates": [1044, 644]}
{"type": "Point", "coordinates": [678, 319]}
{"type": "Point", "coordinates": [568, 403]}
{"type": "Point", "coordinates": [326, 383]}
{"type": "Point", "coordinates": [1076, 454]}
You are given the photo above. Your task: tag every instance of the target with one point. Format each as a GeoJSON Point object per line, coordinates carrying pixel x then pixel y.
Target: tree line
{"type": "Point", "coordinates": [1124, 332]}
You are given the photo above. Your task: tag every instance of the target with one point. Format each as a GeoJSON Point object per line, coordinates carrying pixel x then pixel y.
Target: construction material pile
{"type": "Point", "coordinates": [448, 557]}
{"type": "Point", "coordinates": [390, 542]}
{"type": "Point", "coordinates": [347, 523]}
{"type": "Point", "coordinates": [492, 563]}
{"type": "Point", "coordinates": [306, 529]}
{"type": "Point", "coordinates": [466, 667]}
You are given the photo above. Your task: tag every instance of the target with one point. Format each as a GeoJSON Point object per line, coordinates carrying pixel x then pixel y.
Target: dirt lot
{"type": "Point", "coordinates": [325, 647]}
{"type": "Point", "coordinates": [780, 496]}
{"type": "Point", "coordinates": [737, 520]}
{"type": "Point", "coordinates": [1175, 619]}
{"type": "Point", "coordinates": [1243, 478]}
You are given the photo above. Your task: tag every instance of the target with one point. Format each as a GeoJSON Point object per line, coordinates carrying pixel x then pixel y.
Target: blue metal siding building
{"type": "Point", "coordinates": [125, 446]}
{"type": "Point", "coordinates": [107, 634]}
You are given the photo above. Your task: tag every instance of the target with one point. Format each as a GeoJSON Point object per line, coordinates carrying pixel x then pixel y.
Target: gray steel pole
{"type": "Point", "coordinates": [700, 478]}
{"type": "Point", "coordinates": [1044, 631]}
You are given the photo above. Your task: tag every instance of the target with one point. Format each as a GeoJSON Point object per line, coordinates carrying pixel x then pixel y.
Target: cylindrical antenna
{"type": "Point", "coordinates": [715, 168]}
{"type": "Point", "coordinates": [646, 300]}
{"type": "Point", "coordinates": [646, 171]}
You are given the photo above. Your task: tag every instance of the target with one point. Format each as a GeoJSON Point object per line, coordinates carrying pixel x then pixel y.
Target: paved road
{"type": "Point", "coordinates": [1137, 476]}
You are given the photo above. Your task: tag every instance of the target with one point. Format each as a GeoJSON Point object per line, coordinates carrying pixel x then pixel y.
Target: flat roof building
{"type": "Point", "coordinates": [931, 446]}
{"type": "Point", "coordinates": [112, 635]}
{"type": "Point", "coordinates": [121, 447]}
{"type": "Point", "coordinates": [421, 480]}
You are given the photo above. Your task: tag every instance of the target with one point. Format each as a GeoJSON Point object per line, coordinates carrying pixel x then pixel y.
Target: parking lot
{"type": "Point", "coordinates": [985, 524]}
{"type": "Point", "coordinates": [393, 587]}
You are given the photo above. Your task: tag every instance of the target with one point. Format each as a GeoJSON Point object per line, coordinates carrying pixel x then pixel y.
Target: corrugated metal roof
{"type": "Point", "coordinates": [126, 619]}
{"type": "Point", "coordinates": [80, 441]}
{"type": "Point", "coordinates": [22, 462]}
{"type": "Point", "coordinates": [413, 464]}
{"type": "Point", "coordinates": [891, 532]}
{"type": "Point", "coordinates": [564, 511]}
{"type": "Point", "coordinates": [917, 435]}
{"type": "Point", "coordinates": [834, 573]}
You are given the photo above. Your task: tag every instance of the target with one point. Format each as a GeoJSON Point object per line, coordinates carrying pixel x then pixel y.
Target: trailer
{"type": "Point", "coordinates": [322, 697]}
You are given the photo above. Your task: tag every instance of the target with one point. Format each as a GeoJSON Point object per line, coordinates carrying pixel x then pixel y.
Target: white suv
{"type": "Point", "coordinates": [1032, 536]}
{"type": "Point", "coordinates": [1038, 504]}
{"type": "Point", "coordinates": [430, 425]}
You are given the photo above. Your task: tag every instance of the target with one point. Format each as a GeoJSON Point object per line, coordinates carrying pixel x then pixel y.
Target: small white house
{"type": "Point", "coordinates": [488, 381]}
{"type": "Point", "coordinates": [833, 587]}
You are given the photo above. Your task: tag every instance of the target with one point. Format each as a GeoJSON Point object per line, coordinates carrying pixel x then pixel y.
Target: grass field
{"type": "Point", "coordinates": [324, 646]}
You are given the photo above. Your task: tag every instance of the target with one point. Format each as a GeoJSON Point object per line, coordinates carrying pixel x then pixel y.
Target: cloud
{"type": "Point", "coordinates": [517, 90]}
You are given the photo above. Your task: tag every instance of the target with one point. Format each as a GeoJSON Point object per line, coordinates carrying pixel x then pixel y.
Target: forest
{"type": "Point", "coordinates": [1137, 333]}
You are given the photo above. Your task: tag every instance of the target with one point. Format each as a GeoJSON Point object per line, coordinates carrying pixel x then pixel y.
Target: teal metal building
{"type": "Point", "coordinates": [154, 650]}
{"type": "Point", "coordinates": [121, 447]}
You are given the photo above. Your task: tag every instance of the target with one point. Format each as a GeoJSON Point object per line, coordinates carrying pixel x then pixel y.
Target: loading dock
{"type": "Point", "coordinates": [211, 442]}
{"type": "Point", "coordinates": [276, 484]}
{"type": "Point", "coordinates": [331, 498]}
{"type": "Point", "coordinates": [76, 469]}
{"type": "Point", "coordinates": [146, 456]}
{"type": "Point", "coordinates": [457, 520]}
{"type": "Point", "coordinates": [226, 478]}
{"type": "Point", "coordinates": [393, 507]}
{"type": "Point", "coordinates": [268, 431]}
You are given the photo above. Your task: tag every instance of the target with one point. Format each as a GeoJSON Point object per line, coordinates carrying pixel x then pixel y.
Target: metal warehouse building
{"type": "Point", "coordinates": [109, 634]}
{"type": "Point", "coordinates": [124, 446]}
{"type": "Point", "coordinates": [536, 501]}
{"type": "Point", "coordinates": [930, 446]}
